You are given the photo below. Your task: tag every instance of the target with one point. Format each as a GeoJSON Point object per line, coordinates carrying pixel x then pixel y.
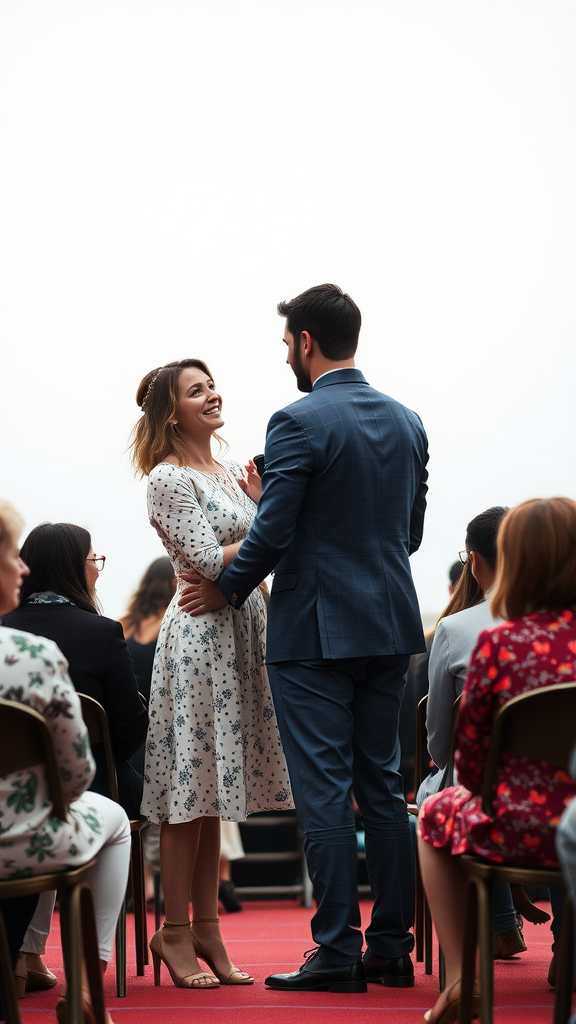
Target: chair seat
{"type": "Point", "coordinates": [510, 873]}
{"type": "Point", "coordinates": [11, 888]}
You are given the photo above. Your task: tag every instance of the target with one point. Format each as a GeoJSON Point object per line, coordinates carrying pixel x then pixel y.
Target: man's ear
{"type": "Point", "coordinates": [306, 343]}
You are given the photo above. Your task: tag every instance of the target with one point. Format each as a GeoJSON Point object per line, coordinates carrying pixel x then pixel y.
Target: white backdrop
{"type": "Point", "coordinates": [171, 169]}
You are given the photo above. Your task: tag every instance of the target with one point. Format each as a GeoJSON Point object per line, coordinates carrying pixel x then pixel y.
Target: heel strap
{"type": "Point", "coordinates": [176, 924]}
{"type": "Point", "coordinates": [205, 920]}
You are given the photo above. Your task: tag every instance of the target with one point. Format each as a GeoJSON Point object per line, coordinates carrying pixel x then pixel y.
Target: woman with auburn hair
{"type": "Point", "coordinates": [535, 590]}
{"type": "Point", "coordinates": [213, 750]}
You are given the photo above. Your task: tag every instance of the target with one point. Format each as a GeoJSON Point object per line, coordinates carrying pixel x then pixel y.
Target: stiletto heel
{"type": "Point", "coordinates": [451, 1010]}
{"type": "Point", "coordinates": [62, 1015]}
{"type": "Point", "coordinates": [179, 957]}
{"type": "Point", "coordinates": [156, 964]}
{"type": "Point", "coordinates": [229, 975]}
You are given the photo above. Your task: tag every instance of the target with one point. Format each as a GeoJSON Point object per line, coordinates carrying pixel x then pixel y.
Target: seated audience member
{"type": "Point", "coordinates": [58, 601]}
{"type": "Point", "coordinates": [535, 589]}
{"type": "Point", "coordinates": [416, 688]}
{"type": "Point", "coordinates": [33, 671]}
{"type": "Point", "coordinates": [466, 615]}
{"type": "Point", "coordinates": [455, 638]}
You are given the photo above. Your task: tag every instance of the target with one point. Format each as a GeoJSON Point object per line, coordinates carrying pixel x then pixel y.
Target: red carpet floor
{"type": "Point", "coordinates": [268, 937]}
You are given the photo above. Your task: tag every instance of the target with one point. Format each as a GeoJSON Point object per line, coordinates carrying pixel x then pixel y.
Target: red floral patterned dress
{"type": "Point", "coordinates": [537, 650]}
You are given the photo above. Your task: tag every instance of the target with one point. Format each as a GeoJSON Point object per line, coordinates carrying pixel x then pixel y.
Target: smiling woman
{"type": "Point", "coordinates": [213, 750]}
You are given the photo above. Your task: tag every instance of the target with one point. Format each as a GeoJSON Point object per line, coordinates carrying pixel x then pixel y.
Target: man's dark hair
{"type": "Point", "coordinates": [330, 316]}
{"type": "Point", "coordinates": [481, 534]}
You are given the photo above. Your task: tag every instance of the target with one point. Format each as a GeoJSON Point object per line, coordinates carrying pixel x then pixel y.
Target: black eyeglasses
{"type": "Point", "coordinates": [463, 555]}
{"type": "Point", "coordinates": [98, 562]}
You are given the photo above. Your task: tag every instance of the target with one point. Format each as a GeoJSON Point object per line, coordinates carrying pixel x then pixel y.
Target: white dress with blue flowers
{"type": "Point", "coordinates": [213, 746]}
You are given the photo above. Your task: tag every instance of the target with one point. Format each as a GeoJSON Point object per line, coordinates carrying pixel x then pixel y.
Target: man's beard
{"type": "Point", "coordinates": [302, 377]}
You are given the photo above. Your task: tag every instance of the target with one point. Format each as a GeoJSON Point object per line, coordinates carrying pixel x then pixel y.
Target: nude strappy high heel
{"type": "Point", "coordinates": [178, 956]}
{"type": "Point", "coordinates": [451, 1011]}
{"type": "Point", "coordinates": [227, 975]}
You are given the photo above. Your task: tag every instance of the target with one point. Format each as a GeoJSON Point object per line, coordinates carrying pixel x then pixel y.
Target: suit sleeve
{"type": "Point", "coordinates": [419, 506]}
{"type": "Point", "coordinates": [289, 465]}
{"type": "Point", "coordinates": [127, 716]}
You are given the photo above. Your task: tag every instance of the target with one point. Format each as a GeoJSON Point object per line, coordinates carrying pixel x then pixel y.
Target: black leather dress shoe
{"type": "Point", "coordinates": [395, 971]}
{"type": "Point", "coordinates": [315, 976]}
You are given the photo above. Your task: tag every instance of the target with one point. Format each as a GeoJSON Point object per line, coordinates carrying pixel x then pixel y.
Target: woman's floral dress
{"type": "Point", "coordinates": [537, 650]}
{"type": "Point", "coordinates": [33, 671]}
{"type": "Point", "coordinates": [213, 746]}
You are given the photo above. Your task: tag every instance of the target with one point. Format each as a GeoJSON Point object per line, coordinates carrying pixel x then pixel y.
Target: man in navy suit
{"type": "Point", "coordinates": [341, 510]}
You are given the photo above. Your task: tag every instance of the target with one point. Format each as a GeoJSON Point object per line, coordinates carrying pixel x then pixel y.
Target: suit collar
{"type": "Point", "coordinates": [347, 375]}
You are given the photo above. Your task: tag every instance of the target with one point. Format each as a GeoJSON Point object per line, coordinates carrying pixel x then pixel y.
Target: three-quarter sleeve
{"type": "Point", "coordinates": [41, 671]}
{"type": "Point", "coordinates": [175, 512]}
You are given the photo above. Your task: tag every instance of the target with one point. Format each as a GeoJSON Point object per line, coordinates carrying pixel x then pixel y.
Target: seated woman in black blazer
{"type": "Point", "coordinates": [58, 600]}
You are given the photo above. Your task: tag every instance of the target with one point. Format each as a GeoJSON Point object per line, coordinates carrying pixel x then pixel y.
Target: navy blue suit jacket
{"type": "Point", "coordinates": [342, 508]}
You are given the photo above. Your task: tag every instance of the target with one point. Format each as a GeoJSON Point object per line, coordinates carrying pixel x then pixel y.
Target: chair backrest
{"type": "Point", "coordinates": [540, 725]}
{"type": "Point", "coordinates": [421, 756]}
{"type": "Point", "coordinates": [25, 741]}
{"type": "Point", "coordinates": [96, 721]}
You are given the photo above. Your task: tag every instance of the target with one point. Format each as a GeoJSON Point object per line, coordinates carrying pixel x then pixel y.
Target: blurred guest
{"type": "Point", "coordinates": [34, 671]}
{"type": "Point", "coordinates": [231, 848]}
{"type": "Point", "coordinates": [535, 588]}
{"type": "Point", "coordinates": [455, 639]}
{"type": "Point", "coordinates": [141, 626]}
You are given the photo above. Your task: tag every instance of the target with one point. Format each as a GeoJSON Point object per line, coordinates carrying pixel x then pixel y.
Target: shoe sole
{"type": "Point", "coordinates": [336, 986]}
{"type": "Point", "coordinates": [390, 982]}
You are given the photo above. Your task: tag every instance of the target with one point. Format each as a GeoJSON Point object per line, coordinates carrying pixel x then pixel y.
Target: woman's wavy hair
{"type": "Point", "coordinates": [56, 555]}
{"type": "Point", "coordinates": [536, 558]}
{"type": "Point", "coordinates": [481, 534]}
{"type": "Point", "coordinates": [155, 436]}
{"type": "Point", "coordinates": [154, 593]}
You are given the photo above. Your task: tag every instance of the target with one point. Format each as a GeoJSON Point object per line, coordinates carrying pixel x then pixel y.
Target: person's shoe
{"type": "Point", "coordinates": [395, 971]}
{"type": "Point", "coordinates": [315, 976]}
{"type": "Point", "coordinates": [528, 910]}
{"type": "Point", "coordinates": [507, 944]}
{"type": "Point", "coordinates": [228, 896]}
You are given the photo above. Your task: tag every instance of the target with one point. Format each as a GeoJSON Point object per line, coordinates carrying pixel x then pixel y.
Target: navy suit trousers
{"type": "Point", "coordinates": [338, 721]}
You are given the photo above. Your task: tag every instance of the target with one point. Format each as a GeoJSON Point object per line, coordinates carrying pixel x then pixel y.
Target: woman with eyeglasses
{"type": "Point", "coordinates": [58, 600]}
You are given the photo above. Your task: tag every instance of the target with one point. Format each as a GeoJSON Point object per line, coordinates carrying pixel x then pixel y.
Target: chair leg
{"type": "Point", "coordinates": [9, 996]}
{"type": "Point", "coordinates": [469, 954]}
{"type": "Point", "coordinates": [71, 931]}
{"type": "Point", "coordinates": [419, 912]}
{"type": "Point", "coordinates": [121, 953]}
{"type": "Point", "coordinates": [428, 938]}
{"type": "Point", "coordinates": [157, 899]}
{"type": "Point", "coordinates": [565, 969]}
{"type": "Point", "coordinates": [441, 970]}
{"type": "Point", "coordinates": [91, 955]}
{"type": "Point", "coordinates": [486, 945]}
{"type": "Point", "coordinates": [139, 901]}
